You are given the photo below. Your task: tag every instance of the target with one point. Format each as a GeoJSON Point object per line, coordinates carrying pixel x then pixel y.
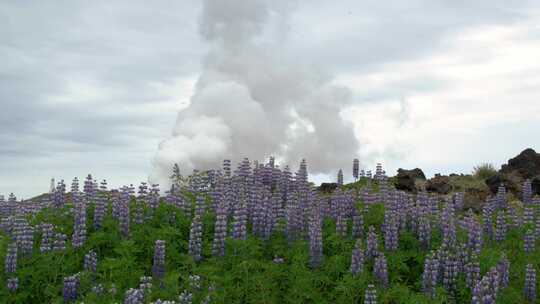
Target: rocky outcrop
{"type": "Point", "coordinates": [526, 165]}
{"type": "Point", "coordinates": [328, 187]}
{"type": "Point", "coordinates": [407, 180]}
{"type": "Point", "coordinates": [511, 181]}
{"type": "Point", "coordinates": [439, 184]}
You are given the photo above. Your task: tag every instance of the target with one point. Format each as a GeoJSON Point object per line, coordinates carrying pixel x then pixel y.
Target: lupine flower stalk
{"type": "Point", "coordinates": [530, 284]}
{"type": "Point", "coordinates": [357, 259]}
{"type": "Point", "coordinates": [47, 236]}
{"type": "Point", "coordinates": [220, 230]}
{"type": "Point", "coordinates": [11, 258]}
{"type": "Point", "coordinates": [529, 241]}
{"type": "Point", "coordinates": [380, 270]}
{"type": "Point", "coordinates": [158, 267]}
{"type": "Point", "coordinates": [315, 238]}
{"type": "Point", "coordinates": [430, 275]}
{"type": "Point", "coordinates": [101, 202]}
{"type": "Point", "coordinates": [195, 238]}
{"type": "Point", "coordinates": [500, 232]}
{"type": "Point", "coordinates": [13, 284]}
{"type": "Point", "coordinates": [90, 261]}
{"type": "Point", "coordinates": [371, 243]}
{"type": "Point", "coordinates": [71, 285]}
{"type": "Point", "coordinates": [370, 296]}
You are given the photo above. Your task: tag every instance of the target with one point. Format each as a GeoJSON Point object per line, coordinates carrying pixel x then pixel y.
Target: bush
{"type": "Point", "coordinates": [484, 171]}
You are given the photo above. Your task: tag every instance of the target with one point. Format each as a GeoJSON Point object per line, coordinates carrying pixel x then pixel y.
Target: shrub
{"type": "Point", "coordinates": [484, 171]}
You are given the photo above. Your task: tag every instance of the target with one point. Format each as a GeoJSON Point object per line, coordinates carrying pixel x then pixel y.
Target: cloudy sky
{"type": "Point", "coordinates": [96, 87]}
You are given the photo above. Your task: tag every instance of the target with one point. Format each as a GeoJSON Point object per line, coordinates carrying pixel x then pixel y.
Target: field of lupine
{"type": "Point", "coordinates": [261, 234]}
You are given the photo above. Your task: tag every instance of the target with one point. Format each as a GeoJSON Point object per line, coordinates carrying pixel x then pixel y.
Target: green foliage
{"type": "Point", "coordinates": [247, 274]}
{"type": "Point", "coordinates": [484, 171]}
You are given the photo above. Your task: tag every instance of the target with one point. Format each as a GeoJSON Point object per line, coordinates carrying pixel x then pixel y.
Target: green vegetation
{"type": "Point", "coordinates": [247, 274]}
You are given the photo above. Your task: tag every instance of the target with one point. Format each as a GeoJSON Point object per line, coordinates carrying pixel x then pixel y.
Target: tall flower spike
{"type": "Point", "coordinates": [430, 275]}
{"type": "Point", "coordinates": [11, 258]}
{"type": "Point", "coordinates": [371, 243]}
{"type": "Point", "coordinates": [13, 284]}
{"type": "Point", "coordinates": [380, 270]}
{"type": "Point", "coordinates": [158, 267]}
{"type": "Point", "coordinates": [71, 285]}
{"type": "Point", "coordinates": [357, 259]}
{"type": "Point", "coordinates": [315, 238]}
{"type": "Point", "coordinates": [220, 230]}
{"type": "Point", "coordinates": [526, 192]}
{"type": "Point", "coordinates": [370, 296]}
{"type": "Point", "coordinates": [356, 167]}
{"type": "Point", "coordinates": [340, 178]}
{"type": "Point", "coordinates": [500, 232]}
{"type": "Point", "coordinates": [101, 202]}
{"type": "Point", "coordinates": [530, 284]}
{"type": "Point", "coordinates": [90, 261]}
{"type": "Point", "coordinates": [195, 238]}
{"type": "Point", "coordinates": [529, 241]}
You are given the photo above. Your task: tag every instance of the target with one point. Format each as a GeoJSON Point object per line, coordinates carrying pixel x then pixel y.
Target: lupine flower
{"type": "Point", "coordinates": [123, 215]}
{"type": "Point", "coordinates": [529, 241]}
{"type": "Point", "coordinates": [340, 178]}
{"type": "Point", "coordinates": [526, 192]}
{"type": "Point", "coordinates": [24, 236]}
{"type": "Point", "coordinates": [503, 269]}
{"type": "Point", "coordinates": [13, 284]}
{"type": "Point", "coordinates": [391, 234]}
{"type": "Point", "coordinates": [220, 230]}
{"type": "Point", "coordinates": [380, 270]}
{"type": "Point", "coordinates": [278, 260]}
{"type": "Point", "coordinates": [185, 297]}
{"type": "Point", "coordinates": [528, 215]}
{"type": "Point", "coordinates": [370, 296]}
{"type": "Point", "coordinates": [487, 213]}
{"type": "Point", "coordinates": [90, 261]}
{"type": "Point", "coordinates": [356, 167]}
{"type": "Point", "coordinates": [158, 268]}
{"type": "Point", "coordinates": [59, 242]}
{"type": "Point", "coordinates": [195, 238]}
{"type": "Point", "coordinates": [71, 285]}
{"type": "Point", "coordinates": [430, 275]}
{"type": "Point", "coordinates": [101, 201]}
{"type": "Point", "coordinates": [500, 232]}
{"type": "Point", "coordinates": [315, 238]}
{"type": "Point", "coordinates": [239, 221]}
{"type": "Point", "coordinates": [98, 289]}
{"type": "Point", "coordinates": [448, 226]}
{"type": "Point", "coordinates": [501, 197]}
{"type": "Point", "coordinates": [357, 223]}
{"type": "Point", "coordinates": [371, 243]}
{"type": "Point", "coordinates": [47, 235]}
{"type": "Point", "coordinates": [424, 232]}
{"type": "Point", "coordinates": [145, 284]}
{"type": "Point", "coordinates": [79, 227]}
{"type": "Point", "coordinates": [530, 284]}
{"type": "Point", "coordinates": [357, 259]}
{"type": "Point", "coordinates": [11, 258]}
{"type": "Point", "coordinates": [134, 296]}
{"type": "Point", "coordinates": [474, 232]}
{"type": "Point", "coordinates": [472, 272]}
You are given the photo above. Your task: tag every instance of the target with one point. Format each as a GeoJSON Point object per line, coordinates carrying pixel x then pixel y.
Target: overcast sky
{"type": "Point", "coordinates": [94, 87]}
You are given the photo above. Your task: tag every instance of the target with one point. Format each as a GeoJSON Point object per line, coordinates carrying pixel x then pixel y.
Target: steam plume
{"type": "Point", "coordinates": [253, 99]}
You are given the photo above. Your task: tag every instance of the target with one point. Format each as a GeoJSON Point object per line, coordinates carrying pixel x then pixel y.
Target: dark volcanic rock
{"type": "Point", "coordinates": [440, 184]}
{"type": "Point", "coordinates": [536, 185]}
{"type": "Point", "coordinates": [526, 164]}
{"type": "Point", "coordinates": [328, 187]}
{"type": "Point", "coordinates": [511, 181]}
{"type": "Point", "coordinates": [406, 179]}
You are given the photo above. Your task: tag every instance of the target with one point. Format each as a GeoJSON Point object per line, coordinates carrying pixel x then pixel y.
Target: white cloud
{"type": "Point", "coordinates": [490, 90]}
